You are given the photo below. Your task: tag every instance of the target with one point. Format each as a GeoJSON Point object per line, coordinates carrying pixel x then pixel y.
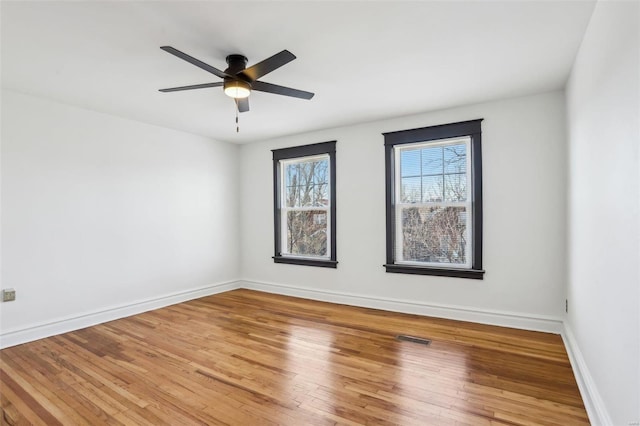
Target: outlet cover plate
{"type": "Point", "coordinates": [8, 295]}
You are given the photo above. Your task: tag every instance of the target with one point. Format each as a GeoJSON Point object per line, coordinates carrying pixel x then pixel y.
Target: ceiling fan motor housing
{"type": "Point", "coordinates": [236, 63]}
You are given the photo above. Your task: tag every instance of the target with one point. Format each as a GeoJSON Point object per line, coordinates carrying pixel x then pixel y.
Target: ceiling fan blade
{"type": "Point", "coordinates": [256, 71]}
{"type": "Point", "coordinates": [198, 63]}
{"type": "Point", "coordinates": [261, 86]}
{"type": "Point", "coordinates": [195, 86]}
{"type": "Point", "coordinates": [243, 104]}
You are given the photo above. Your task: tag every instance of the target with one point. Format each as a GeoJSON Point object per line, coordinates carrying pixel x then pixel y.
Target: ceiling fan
{"type": "Point", "coordinates": [238, 81]}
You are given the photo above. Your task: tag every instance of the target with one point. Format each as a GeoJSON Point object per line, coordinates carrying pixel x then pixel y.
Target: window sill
{"type": "Point", "coordinates": [476, 274]}
{"type": "Point", "coordinates": [306, 262]}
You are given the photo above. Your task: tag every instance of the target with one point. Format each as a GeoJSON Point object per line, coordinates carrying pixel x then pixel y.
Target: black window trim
{"type": "Point", "coordinates": [471, 128]}
{"type": "Point", "coordinates": [297, 152]}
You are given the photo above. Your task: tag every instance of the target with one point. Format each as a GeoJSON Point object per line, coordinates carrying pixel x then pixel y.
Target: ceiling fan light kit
{"type": "Point", "coordinates": [238, 80]}
{"type": "Point", "coordinates": [237, 89]}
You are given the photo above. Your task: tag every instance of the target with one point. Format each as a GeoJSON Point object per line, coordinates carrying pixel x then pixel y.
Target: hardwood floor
{"type": "Point", "coordinates": [251, 358]}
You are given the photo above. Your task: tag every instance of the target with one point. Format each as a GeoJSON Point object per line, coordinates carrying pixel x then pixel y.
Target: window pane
{"type": "Point", "coordinates": [321, 172]}
{"type": "Point", "coordinates": [455, 158]}
{"type": "Point", "coordinates": [307, 183]}
{"type": "Point", "coordinates": [432, 160]}
{"type": "Point", "coordinates": [321, 194]}
{"type": "Point", "coordinates": [306, 195]}
{"type": "Point", "coordinates": [307, 232]}
{"type": "Point", "coordinates": [455, 187]}
{"type": "Point", "coordinates": [434, 234]}
{"type": "Point", "coordinates": [410, 162]}
{"type": "Point", "coordinates": [291, 196]}
{"type": "Point", "coordinates": [306, 172]}
{"type": "Point", "coordinates": [410, 190]}
{"type": "Point", "coordinates": [291, 175]}
{"type": "Point", "coordinates": [432, 188]}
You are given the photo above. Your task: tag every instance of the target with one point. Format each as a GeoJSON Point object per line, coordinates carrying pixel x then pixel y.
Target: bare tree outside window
{"type": "Point", "coordinates": [434, 234]}
{"type": "Point", "coordinates": [432, 208]}
{"type": "Point", "coordinates": [306, 203]}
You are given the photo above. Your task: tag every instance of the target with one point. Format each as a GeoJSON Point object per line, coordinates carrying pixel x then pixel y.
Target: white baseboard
{"type": "Point", "coordinates": [596, 410]}
{"type": "Point", "coordinates": [462, 313]}
{"type": "Point", "coordinates": [64, 325]}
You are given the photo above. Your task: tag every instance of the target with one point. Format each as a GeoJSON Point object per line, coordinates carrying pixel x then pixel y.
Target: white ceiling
{"type": "Point", "coordinates": [364, 60]}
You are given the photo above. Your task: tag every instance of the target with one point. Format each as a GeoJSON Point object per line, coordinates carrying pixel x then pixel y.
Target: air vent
{"type": "Point", "coordinates": [420, 340]}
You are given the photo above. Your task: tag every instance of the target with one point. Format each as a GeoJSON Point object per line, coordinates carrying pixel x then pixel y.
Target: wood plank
{"type": "Point", "coordinates": [246, 357]}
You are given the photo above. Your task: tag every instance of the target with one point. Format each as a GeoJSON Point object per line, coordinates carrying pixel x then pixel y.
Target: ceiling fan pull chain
{"type": "Point", "coordinates": [237, 109]}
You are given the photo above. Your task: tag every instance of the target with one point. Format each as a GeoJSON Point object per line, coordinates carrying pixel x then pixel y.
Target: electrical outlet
{"type": "Point", "coordinates": [8, 295]}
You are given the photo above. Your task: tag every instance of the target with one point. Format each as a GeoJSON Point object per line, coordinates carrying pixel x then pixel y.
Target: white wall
{"type": "Point", "coordinates": [603, 98]}
{"type": "Point", "coordinates": [101, 212]}
{"type": "Point", "coordinates": [524, 160]}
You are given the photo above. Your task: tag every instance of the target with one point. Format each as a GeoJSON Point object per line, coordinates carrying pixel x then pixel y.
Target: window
{"type": "Point", "coordinates": [304, 179]}
{"type": "Point", "coordinates": [434, 200]}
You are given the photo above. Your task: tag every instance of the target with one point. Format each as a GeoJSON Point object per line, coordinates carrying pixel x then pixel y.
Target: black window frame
{"type": "Point", "coordinates": [472, 129]}
{"type": "Point", "coordinates": [300, 152]}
